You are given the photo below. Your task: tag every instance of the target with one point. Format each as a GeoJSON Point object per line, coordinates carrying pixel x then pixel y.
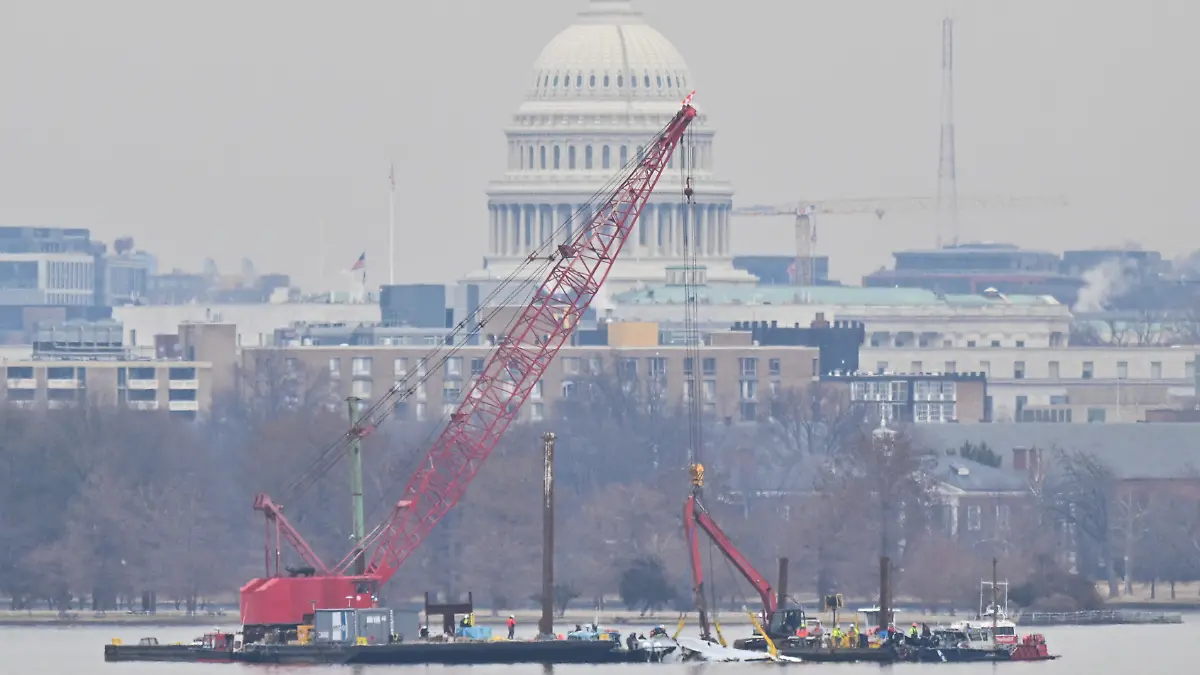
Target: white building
{"type": "Point", "coordinates": [66, 278]}
{"type": "Point", "coordinates": [256, 323]}
{"type": "Point", "coordinates": [599, 92]}
{"type": "Point", "coordinates": [894, 317]}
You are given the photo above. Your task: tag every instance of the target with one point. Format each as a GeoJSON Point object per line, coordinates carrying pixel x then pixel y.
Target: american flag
{"type": "Point", "coordinates": [392, 176]}
{"type": "Point", "coordinates": [360, 263]}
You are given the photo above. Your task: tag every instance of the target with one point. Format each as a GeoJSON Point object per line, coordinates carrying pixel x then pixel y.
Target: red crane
{"type": "Point", "coordinates": [578, 269]}
{"type": "Point", "coordinates": [695, 516]}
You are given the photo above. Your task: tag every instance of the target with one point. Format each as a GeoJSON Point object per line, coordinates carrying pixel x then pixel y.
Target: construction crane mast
{"type": "Point", "coordinates": [577, 270]}
{"type": "Point", "coordinates": [805, 212]}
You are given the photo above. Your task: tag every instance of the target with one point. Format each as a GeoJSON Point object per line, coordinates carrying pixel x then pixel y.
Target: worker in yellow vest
{"type": "Point", "coordinates": [836, 637]}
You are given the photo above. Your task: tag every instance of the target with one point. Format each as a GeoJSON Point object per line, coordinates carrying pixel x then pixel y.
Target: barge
{"type": "Point", "coordinates": [502, 652]}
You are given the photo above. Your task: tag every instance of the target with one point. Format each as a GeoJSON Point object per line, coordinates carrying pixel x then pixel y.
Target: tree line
{"type": "Point", "coordinates": [99, 506]}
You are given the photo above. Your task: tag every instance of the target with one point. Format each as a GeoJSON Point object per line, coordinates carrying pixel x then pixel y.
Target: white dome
{"type": "Point", "coordinates": [610, 52]}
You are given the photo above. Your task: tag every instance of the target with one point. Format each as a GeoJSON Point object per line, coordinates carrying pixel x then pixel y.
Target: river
{"type": "Point", "coordinates": [1157, 650]}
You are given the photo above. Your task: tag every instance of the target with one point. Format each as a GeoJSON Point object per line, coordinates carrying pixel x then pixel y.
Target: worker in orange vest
{"type": "Point", "coordinates": [512, 626]}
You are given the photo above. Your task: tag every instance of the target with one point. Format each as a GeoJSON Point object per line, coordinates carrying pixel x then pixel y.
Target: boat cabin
{"type": "Point", "coordinates": [216, 640]}
{"type": "Point", "coordinates": [872, 618]}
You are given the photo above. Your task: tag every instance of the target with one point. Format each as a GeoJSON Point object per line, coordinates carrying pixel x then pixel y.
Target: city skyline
{"type": "Point", "coordinates": [252, 144]}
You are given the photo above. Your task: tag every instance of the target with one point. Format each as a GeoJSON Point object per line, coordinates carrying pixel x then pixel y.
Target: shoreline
{"type": "Point", "coordinates": [524, 617]}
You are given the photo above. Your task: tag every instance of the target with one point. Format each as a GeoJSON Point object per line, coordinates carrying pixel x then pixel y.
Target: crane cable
{"type": "Point", "coordinates": [405, 387]}
{"type": "Point", "coordinates": [601, 196]}
{"type": "Point", "coordinates": [691, 328]}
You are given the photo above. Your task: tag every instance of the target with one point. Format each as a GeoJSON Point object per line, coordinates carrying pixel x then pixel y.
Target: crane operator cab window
{"type": "Point", "coordinates": [787, 621]}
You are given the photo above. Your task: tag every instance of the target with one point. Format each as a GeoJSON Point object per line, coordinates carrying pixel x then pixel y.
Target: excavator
{"type": "Point", "coordinates": [778, 622]}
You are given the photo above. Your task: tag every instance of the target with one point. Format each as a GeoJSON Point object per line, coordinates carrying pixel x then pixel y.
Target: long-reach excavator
{"type": "Point", "coordinates": [776, 621]}
{"type": "Point", "coordinates": [577, 267]}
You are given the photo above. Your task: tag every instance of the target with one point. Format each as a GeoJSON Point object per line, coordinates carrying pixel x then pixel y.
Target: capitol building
{"type": "Point", "coordinates": [599, 92]}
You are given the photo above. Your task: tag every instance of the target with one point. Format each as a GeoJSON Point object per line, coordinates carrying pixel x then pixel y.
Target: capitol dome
{"type": "Point", "coordinates": [610, 53]}
{"type": "Point", "coordinates": [601, 90]}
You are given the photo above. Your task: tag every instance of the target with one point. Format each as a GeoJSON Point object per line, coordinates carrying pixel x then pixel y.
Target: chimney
{"type": "Point", "coordinates": [819, 321]}
{"type": "Point", "coordinates": [1019, 458]}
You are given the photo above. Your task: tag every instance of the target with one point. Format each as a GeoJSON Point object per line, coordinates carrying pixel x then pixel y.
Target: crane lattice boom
{"type": "Point", "coordinates": [579, 268]}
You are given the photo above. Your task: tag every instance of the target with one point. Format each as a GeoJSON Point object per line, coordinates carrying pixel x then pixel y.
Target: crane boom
{"type": "Point", "coordinates": [522, 356]}
{"type": "Point", "coordinates": [579, 268]}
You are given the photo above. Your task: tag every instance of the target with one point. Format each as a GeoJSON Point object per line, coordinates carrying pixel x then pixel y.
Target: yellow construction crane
{"type": "Point", "coordinates": [805, 213]}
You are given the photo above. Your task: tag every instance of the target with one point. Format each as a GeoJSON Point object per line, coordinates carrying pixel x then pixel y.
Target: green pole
{"type": "Point", "coordinates": [356, 488]}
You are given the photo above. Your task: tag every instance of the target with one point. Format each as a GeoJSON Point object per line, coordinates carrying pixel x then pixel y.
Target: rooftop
{"type": "Point", "coordinates": [1132, 451]}
{"type": "Point", "coordinates": [732, 294]}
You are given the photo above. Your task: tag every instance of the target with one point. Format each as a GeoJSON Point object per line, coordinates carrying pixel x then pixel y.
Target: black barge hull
{"type": "Point", "coordinates": [449, 653]}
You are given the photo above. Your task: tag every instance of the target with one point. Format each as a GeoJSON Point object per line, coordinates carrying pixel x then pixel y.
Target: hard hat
{"type": "Point", "coordinates": [914, 624]}
{"type": "Point", "coordinates": [511, 616]}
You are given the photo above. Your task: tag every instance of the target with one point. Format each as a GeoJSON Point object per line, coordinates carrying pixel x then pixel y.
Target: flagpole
{"type": "Point", "coordinates": [392, 227]}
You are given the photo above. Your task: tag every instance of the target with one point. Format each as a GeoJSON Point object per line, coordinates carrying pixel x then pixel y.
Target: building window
{"type": "Point", "coordinates": [748, 411]}
{"type": "Point", "coordinates": [557, 157]}
{"type": "Point", "coordinates": [570, 365]}
{"type": "Point", "coordinates": [587, 157]}
{"type": "Point", "coordinates": [571, 157]}
{"type": "Point", "coordinates": [536, 394]}
{"type": "Point", "coordinates": [1003, 515]}
{"type": "Point", "coordinates": [624, 155]}
{"type": "Point", "coordinates": [1122, 370]}
{"type": "Point", "coordinates": [1052, 367]}
{"type": "Point", "coordinates": [419, 412]}
{"type": "Point", "coordinates": [605, 157]}
{"type": "Point", "coordinates": [361, 389]}
{"type": "Point", "coordinates": [687, 366]}
{"type": "Point", "coordinates": [658, 366]}
{"type": "Point", "coordinates": [335, 368]}
{"type": "Point", "coordinates": [970, 343]}
{"type": "Point", "coordinates": [627, 368]}
{"type": "Point", "coordinates": [1018, 370]}
{"type": "Point", "coordinates": [1020, 343]}
{"type": "Point", "coordinates": [1096, 415]}
{"type": "Point", "coordinates": [974, 519]}
{"type": "Point", "coordinates": [775, 367]}
{"type": "Point", "coordinates": [452, 391]}
{"type": "Point", "coordinates": [748, 367]}
{"type": "Point", "coordinates": [542, 157]}
{"type": "Point", "coordinates": [530, 166]}
{"type": "Point", "coordinates": [592, 81]}
{"type": "Point", "coordinates": [708, 366]}
{"type": "Point", "coordinates": [1156, 370]}
{"type": "Point", "coordinates": [606, 81]}
{"type": "Point", "coordinates": [180, 373]}
{"type": "Point", "coordinates": [995, 343]}
{"type": "Point", "coordinates": [399, 367]}
{"type": "Point", "coordinates": [422, 367]}
{"type": "Point", "coordinates": [1087, 370]}
{"type": "Point", "coordinates": [360, 366]}
{"type": "Point", "coordinates": [537, 411]}
{"type": "Point", "coordinates": [708, 389]}
{"type": "Point", "coordinates": [568, 389]}
{"type": "Point", "coordinates": [454, 366]}
{"type": "Point", "coordinates": [476, 367]}
{"type": "Point", "coordinates": [749, 390]}
{"type": "Point", "coordinates": [951, 367]}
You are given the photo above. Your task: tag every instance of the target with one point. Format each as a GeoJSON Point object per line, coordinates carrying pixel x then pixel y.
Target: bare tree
{"type": "Point", "coordinates": [1080, 492]}
{"type": "Point", "coordinates": [809, 421]}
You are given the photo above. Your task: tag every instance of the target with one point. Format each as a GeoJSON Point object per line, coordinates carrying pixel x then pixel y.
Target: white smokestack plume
{"type": "Point", "coordinates": [1102, 283]}
{"type": "Point", "coordinates": [601, 302]}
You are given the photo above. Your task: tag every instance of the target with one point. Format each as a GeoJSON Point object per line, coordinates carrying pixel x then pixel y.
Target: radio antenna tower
{"type": "Point", "coordinates": [947, 215]}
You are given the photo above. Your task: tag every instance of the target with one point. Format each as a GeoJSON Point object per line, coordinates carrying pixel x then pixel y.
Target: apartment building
{"type": "Point", "coordinates": [732, 381]}
{"type": "Point", "coordinates": [180, 387]}
{"type": "Point", "coordinates": [922, 398]}
{"type": "Point", "coordinates": [87, 363]}
{"type": "Point", "coordinates": [1071, 384]}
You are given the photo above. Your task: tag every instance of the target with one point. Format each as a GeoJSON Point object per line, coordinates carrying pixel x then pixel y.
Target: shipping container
{"type": "Point", "coordinates": [336, 626]}
{"type": "Point", "coordinates": [375, 625]}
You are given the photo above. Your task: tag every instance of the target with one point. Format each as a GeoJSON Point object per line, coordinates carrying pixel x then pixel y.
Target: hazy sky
{"type": "Point", "coordinates": [224, 128]}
